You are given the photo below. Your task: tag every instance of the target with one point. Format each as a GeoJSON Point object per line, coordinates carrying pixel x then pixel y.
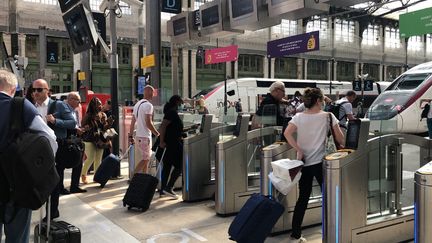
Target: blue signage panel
{"type": "Point", "coordinates": [368, 85]}
{"type": "Point", "coordinates": [172, 6]}
{"type": "Point", "coordinates": [52, 52]}
{"type": "Point", "coordinates": [293, 45]}
{"type": "Point", "coordinates": [357, 85]}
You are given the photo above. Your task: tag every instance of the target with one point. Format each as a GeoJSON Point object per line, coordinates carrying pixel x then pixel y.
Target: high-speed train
{"type": "Point", "coordinates": [249, 89]}
{"type": "Point", "coordinates": [398, 108]}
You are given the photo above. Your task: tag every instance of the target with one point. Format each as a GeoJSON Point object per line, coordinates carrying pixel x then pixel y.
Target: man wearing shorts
{"type": "Point", "coordinates": [143, 116]}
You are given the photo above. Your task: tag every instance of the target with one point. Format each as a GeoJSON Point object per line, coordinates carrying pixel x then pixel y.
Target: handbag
{"type": "Point", "coordinates": [70, 152]}
{"type": "Point", "coordinates": [331, 144]}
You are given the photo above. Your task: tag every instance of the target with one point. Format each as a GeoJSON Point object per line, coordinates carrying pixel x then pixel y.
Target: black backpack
{"type": "Point", "coordinates": [335, 109]}
{"type": "Point", "coordinates": [425, 111]}
{"type": "Point", "coordinates": [27, 168]}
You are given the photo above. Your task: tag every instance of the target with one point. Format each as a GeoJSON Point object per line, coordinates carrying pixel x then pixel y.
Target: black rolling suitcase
{"type": "Point", "coordinates": [141, 190]}
{"type": "Point", "coordinates": [108, 167]}
{"type": "Point", "coordinates": [55, 231]}
{"type": "Point", "coordinates": [255, 220]}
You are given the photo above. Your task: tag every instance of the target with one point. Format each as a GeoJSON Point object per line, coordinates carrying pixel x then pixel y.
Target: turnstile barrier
{"type": "Point", "coordinates": [282, 150]}
{"type": "Point", "coordinates": [366, 195]}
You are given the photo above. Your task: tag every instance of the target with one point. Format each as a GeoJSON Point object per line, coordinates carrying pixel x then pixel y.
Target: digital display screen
{"type": "Point", "coordinates": [274, 2]}
{"type": "Point", "coordinates": [241, 7]}
{"type": "Point", "coordinates": [352, 135]}
{"type": "Point", "coordinates": [180, 26]}
{"type": "Point", "coordinates": [210, 16]}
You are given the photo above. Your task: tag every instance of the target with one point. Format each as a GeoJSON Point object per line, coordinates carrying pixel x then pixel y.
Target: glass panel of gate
{"type": "Point", "coordinates": [381, 177]}
{"type": "Point", "coordinates": [262, 123]}
{"type": "Point", "coordinates": [411, 162]}
{"type": "Point", "coordinates": [222, 131]}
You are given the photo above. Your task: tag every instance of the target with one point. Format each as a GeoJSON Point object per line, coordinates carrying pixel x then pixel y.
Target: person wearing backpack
{"type": "Point", "coordinates": [58, 116]}
{"type": "Point", "coordinates": [427, 113]}
{"type": "Point", "coordinates": [17, 228]}
{"type": "Point", "coordinates": [343, 109]}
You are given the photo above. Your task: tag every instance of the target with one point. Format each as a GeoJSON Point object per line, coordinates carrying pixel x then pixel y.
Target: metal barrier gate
{"type": "Point", "coordinates": [199, 159]}
{"type": "Point", "coordinates": [238, 166]}
{"type": "Point", "coordinates": [368, 195]}
{"type": "Point", "coordinates": [282, 150]}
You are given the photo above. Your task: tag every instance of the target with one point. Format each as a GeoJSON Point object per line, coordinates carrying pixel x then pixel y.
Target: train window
{"type": "Point", "coordinates": [408, 82]}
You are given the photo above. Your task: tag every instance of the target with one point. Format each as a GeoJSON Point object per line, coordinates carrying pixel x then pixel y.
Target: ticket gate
{"type": "Point", "coordinates": [238, 165]}
{"type": "Point", "coordinates": [368, 194]}
{"type": "Point", "coordinates": [199, 158]}
{"type": "Point", "coordinates": [282, 150]}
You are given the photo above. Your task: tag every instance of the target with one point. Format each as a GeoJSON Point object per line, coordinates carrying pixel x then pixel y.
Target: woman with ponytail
{"type": "Point", "coordinates": [312, 127]}
{"type": "Point", "coordinates": [171, 132]}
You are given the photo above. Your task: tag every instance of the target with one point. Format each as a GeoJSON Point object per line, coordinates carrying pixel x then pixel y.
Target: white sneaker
{"type": "Point", "coordinates": [170, 193]}
{"type": "Point", "coordinates": [299, 240]}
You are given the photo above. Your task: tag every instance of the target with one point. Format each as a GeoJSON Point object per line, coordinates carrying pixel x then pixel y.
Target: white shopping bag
{"type": "Point", "coordinates": [286, 169]}
{"type": "Point", "coordinates": [284, 186]}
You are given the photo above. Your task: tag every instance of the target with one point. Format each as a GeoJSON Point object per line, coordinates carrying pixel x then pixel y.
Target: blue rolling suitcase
{"type": "Point", "coordinates": [255, 220]}
{"type": "Point", "coordinates": [108, 167]}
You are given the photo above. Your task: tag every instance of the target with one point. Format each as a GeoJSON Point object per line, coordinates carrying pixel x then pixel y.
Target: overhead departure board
{"type": "Point", "coordinates": [180, 26]}
{"type": "Point", "coordinates": [210, 16]}
{"type": "Point", "coordinates": [242, 7]}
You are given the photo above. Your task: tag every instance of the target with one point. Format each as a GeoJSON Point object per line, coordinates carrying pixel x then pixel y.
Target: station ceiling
{"type": "Point", "coordinates": [392, 8]}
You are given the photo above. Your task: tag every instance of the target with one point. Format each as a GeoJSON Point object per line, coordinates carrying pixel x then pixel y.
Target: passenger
{"type": "Point", "coordinates": [312, 127]}
{"type": "Point", "coordinates": [346, 110]}
{"type": "Point", "coordinates": [293, 104]}
{"type": "Point", "coordinates": [29, 94]}
{"type": "Point", "coordinates": [73, 100]}
{"type": "Point", "coordinates": [202, 109]}
{"type": "Point", "coordinates": [18, 230]}
{"type": "Point", "coordinates": [143, 116]}
{"type": "Point", "coordinates": [238, 106]}
{"type": "Point", "coordinates": [58, 116]}
{"type": "Point", "coordinates": [93, 124]}
{"type": "Point", "coordinates": [272, 106]}
{"type": "Point", "coordinates": [171, 131]}
{"type": "Point", "coordinates": [423, 103]}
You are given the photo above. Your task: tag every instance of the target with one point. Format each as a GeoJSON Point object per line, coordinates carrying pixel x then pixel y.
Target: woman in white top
{"type": "Point", "coordinates": [312, 127]}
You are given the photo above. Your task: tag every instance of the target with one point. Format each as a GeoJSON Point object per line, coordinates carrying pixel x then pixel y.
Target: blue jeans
{"type": "Point", "coordinates": [429, 125]}
{"type": "Point", "coordinates": [17, 231]}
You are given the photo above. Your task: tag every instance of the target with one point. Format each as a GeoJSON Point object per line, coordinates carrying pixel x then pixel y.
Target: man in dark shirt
{"type": "Point", "coordinates": [18, 229]}
{"type": "Point", "coordinates": [270, 107]}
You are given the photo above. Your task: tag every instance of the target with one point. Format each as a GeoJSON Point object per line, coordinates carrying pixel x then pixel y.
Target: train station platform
{"type": "Point", "coordinates": [101, 217]}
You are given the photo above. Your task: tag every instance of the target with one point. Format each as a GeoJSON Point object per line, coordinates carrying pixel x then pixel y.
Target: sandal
{"type": "Point", "coordinates": [84, 179]}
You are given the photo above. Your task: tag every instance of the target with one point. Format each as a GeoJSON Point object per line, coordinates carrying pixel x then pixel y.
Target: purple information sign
{"type": "Point", "coordinates": [293, 45]}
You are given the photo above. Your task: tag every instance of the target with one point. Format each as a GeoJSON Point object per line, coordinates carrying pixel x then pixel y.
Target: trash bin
{"type": "Point", "coordinates": [422, 204]}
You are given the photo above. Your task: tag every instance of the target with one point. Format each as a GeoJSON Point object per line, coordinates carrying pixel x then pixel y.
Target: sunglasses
{"type": "Point", "coordinates": [39, 89]}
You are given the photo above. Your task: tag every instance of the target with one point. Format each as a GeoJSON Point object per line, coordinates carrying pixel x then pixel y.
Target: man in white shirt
{"type": "Point", "coordinates": [143, 116]}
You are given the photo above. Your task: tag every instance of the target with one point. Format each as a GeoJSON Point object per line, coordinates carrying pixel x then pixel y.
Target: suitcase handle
{"type": "Point", "coordinates": [124, 155]}
{"type": "Point", "coordinates": [48, 217]}
{"type": "Point", "coordinates": [157, 163]}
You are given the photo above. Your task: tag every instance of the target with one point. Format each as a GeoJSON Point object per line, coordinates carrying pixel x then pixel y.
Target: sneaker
{"type": "Point", "coordinates": [299, 240]}
{"type": "Point", "coordinates": [161, 193]}
{"type": "Point", "coordinates": [170, 192]}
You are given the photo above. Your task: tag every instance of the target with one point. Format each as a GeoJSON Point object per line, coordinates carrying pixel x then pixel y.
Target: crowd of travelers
{"type": "Point", "coordinates": [61, 123]}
